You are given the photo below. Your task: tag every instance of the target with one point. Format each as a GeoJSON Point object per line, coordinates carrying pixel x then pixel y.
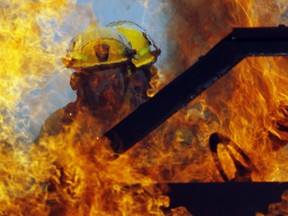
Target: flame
{"type": "Point", "coordinates": [248, 107]}
{"type": "Point", "coordinates": [76, 173]}
{"type": "Point", "coordinates": [72, 173]}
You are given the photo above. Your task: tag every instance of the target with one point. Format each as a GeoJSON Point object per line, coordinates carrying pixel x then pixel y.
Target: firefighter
{"type": "Point", "coordinates": [113, 66]}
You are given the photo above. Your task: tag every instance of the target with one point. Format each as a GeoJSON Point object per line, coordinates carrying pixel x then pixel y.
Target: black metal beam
{"type": "Point", "coordinates": [241, 43]}
{"type": "Point", "coordinates": [227, 198]}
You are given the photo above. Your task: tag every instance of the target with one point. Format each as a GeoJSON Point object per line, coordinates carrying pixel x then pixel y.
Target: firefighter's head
{"type": "Point", "coordinates": [109, 61]}
{"type": "Point", "coordinates": [117, 43]}
{"type": "Point", "coordinates": [98, 47]}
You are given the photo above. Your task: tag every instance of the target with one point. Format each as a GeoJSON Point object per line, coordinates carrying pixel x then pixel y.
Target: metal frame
{"type": "Point", "coordinates": [239, 44]}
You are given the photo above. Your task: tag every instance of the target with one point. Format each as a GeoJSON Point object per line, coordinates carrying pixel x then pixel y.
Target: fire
{"type": "Point", "coordinates": [248, 107]}
{"type": "Point", "coordinates": [76, 173]}
{"type": "Point", "coordinates": [26, 63]}
{"type": "Point", "coordinates": [71, 173]}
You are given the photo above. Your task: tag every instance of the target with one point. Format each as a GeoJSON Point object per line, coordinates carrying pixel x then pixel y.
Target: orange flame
{"type": "Point", "coordinates": [76, 174]}
{"type": "Point", "coordinates": [248, 106]}
{"type": "Point", "coordinates": [67, 174]}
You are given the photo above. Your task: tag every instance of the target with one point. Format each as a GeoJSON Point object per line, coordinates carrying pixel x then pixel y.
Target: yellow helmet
{"type": "Point", "coordinates": [146, 50]}
{"type": "Point", "coordinates": [97, 46]}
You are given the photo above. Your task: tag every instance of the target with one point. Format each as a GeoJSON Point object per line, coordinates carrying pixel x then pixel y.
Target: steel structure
{"type": "Point", "coordinates": [239, 44]}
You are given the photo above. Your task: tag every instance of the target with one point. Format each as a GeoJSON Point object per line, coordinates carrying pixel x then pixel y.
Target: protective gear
{"type": "Point", "coordinates": [146, 50]}
{"type": "Point", "coordinates": [117, 43]}
{"type": "Point", "coordinates": [114, 66]}
{"type": "Point", "coordinates": [98, 47]}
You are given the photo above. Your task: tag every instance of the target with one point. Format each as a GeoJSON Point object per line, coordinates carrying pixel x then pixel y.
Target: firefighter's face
{"type": "Point", "coordinates": [104, 90]}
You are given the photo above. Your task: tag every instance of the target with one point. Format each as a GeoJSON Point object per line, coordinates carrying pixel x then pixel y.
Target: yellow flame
{"type": "Point", "coordinates": [248, 105]}
{"type": "Point", "coordinates": [72, 173]}
{"type": "Point", "coordinates": [76, 174]}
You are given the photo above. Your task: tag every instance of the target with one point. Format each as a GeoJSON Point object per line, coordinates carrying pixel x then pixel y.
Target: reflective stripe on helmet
{"type": "Point", "coordinates": [146, 50]}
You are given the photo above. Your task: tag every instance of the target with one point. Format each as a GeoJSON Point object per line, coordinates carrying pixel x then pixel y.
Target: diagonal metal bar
{"type": "Point", "coordinates": [241, 43]}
